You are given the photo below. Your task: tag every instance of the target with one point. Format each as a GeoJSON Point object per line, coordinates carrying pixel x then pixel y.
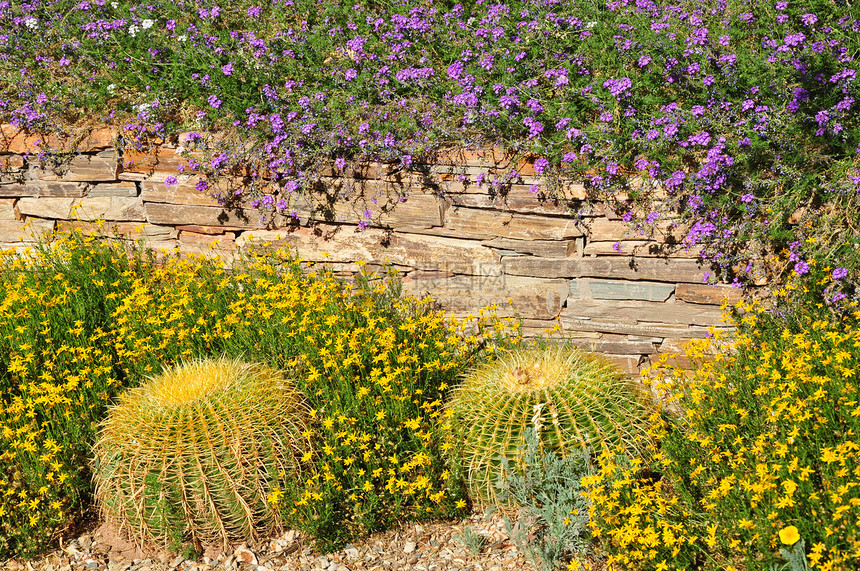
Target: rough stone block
{"type": "Point", "coordinates": [708, 294]}
{"type": "Point", "coordinates": [33, 188]}
{"type": "Point", "coordinates": [11, 163]}
{"type": "Point", "coordinates": [630, 364]}
{"type": "Point", "coordinates": [210, 230]}
{"type": "Point", "coordinates": [88, 209]}
{"type": "Point", "coordinates": [675, 313]}
{"type": "Point", "coordinates": [529, 297]}
{"type": "Point", "coordinates": [631, 327]}
{"type": "Point", "coordinates": [177, 214]}
{"type": "Point", "coordinates": [225, 241]}
{"type": "Point", "coordinates": [128, 230]}
{"type": "Point", "coordinates": [604, 229]}
{"type": "Point", "coordinates": [82, 168]}
{"type": "Point", "coordinates": [110, 208]}
{"type": "Point", "coordinates": [47, 207]}
{"type": "Point", "coordinates": [614, 344]}
{"type": "Point", "coordinates": [621, 290]}
{"type": "Point", "coordinates": [650, 269]}
{"type": "Point", "coordinates": [184, 192]}
{"type": "Point", "coordinates": [344, 245]}
{"type": "Point", "coordinates": [121, 188]}
{"type": "Point", "coordinates": [483, 224]}
{"type": "Point", "coordinates": [523, 204]}
{"type": "Point", "coordinates": [542, 248]}
{"type": "Point", "coordinates": [641, 248]}
{"type": "Point", "coordinates": [31, 230]}
{"type": "Point", "coordinates": [9, 209]}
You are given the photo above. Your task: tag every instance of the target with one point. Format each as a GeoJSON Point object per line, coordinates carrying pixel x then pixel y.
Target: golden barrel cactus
{"type": "Point", "coordinates": [196, 455]}
{"type": "Point", "coordinates": [575, 400]}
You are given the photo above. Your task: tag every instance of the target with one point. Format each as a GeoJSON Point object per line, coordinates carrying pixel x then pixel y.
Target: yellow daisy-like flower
{"type": "Point", "coordinates": [789, 535]}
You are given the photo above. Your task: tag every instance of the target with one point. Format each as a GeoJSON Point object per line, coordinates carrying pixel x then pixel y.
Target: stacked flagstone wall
{"type": "Point", "coordinates": [610, 289]}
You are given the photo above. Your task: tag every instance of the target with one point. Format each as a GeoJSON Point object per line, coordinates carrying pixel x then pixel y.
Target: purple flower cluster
{"type": "Point", "coordinates": [725, 110]}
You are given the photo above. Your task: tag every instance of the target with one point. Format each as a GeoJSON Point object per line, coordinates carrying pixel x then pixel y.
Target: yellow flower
{"type": "Point", "coordinates": [789, 535]}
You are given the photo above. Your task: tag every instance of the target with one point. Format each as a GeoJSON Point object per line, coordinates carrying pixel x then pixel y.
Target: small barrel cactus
{"type": "Point", "coordinates": [574, 399]}
{"type": "Point", "coordinates": [196, 456]}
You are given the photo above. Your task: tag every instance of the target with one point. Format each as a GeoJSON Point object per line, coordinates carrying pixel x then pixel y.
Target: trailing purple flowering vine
{"type": "Point", "coordinates": [742, 115]}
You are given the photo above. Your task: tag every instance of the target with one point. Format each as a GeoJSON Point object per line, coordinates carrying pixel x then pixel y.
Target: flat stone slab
{"type": "Point", "coordinates": [32, 230]}
{"type": "Point", "coordinates": [99, 208]}
{"type": "Point", "coordinates": [590, 288]}
{"type": "Point", "coordinates": [484, 224]}
{"type": "Point", "coordinates": [178, 214]}
{"type": "Point", "coordinates": [679, 312]}
{"type": "Point", "coordinates": [343, 244]}
{"type": "Point", "coordinates": [531, 298]}
{"type": "Point", "coordinates": [650, 269]}
{"type": "Point", "coordinates": [708, 294]}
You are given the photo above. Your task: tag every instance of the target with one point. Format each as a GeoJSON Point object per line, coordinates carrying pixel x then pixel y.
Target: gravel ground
{"type": "Point", "coordinates": [424, 547]}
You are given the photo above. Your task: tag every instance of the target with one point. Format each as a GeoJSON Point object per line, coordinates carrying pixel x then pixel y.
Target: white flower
{"type": "Point", "coordinates": [132, 30]}
{"type": "Point", "coordinates": [590, 25]}
{"type": "Point", "coordinates": [180, 149]}
{"type": "Point", "coordinates": [182, 37]}
{"type": "Point", "coordinates": [114, 5]}
{"type": "Point", "coordinates": [111, 88]}
{"type": "Point", "coordinates": [31, 23]}
{"type": "Point", "coordinates": [142, 107]}
{"type": "Point", "coordinates": [147, 24]}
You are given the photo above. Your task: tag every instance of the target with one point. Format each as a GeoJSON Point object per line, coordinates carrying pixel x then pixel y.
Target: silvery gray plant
{"type": "Point", "coordinates": [552, 524]}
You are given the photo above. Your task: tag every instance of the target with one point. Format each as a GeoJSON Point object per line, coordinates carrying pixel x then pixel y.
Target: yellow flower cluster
{"type": "Point", "coordinates": [82, 318]}
{"type": "Point", "coordinates": [758, 446]}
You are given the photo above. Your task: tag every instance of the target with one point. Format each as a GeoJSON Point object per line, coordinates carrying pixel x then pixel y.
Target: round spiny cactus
{"type": "Point", "coordinates": [574, 399]}
{"type": "Point", "coordinates": [193, 456]}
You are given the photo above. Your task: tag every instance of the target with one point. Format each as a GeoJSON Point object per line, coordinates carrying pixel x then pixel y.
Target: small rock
{"type": "Point", "coordinates": [351, 552]}
{"type": "Point", "coordinates": [85, 541]}
{"type": "Point", "coordinates": [409, 547]}
{"type": "Point", "coordinates": [91, 564]}
{"type": "Point", "coordinates": [323, 562]}
{"type": "Point", "coordinates": [244, 555]}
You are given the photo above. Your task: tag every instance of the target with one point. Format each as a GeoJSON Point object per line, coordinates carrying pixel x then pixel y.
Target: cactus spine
{"type": "Point", "coordinates": [191, 456]}
{"type": "Point", "coordinates": [574, 399]}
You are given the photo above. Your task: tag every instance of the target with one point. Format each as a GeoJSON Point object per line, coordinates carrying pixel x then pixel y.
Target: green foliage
{"type": "Point", "coordinates": [578, 399]}
{"type": "Point", "coordinates": [83, 319]}
{"type": "Point", "coordinates": [760, 438]}
{"type": "Point", "coordinates": [58, 373]}
{"type": "Point", "coordinates": [201, 453]}
{"type": "Point", "coordinates": [553, 510]}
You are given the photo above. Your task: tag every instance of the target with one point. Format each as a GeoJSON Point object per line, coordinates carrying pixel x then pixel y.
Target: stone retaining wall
{"type": "Point", "coordinates": [613, 291]}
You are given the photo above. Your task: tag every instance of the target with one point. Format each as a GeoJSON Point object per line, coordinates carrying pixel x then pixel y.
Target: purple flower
{"type": "Point", "coordinates": [568, 157]}
{"type": "Point", "coordinates": [214, 102]}
{"type": "Point", "coordinates": [606, 116]}
{"type": "Point", "coordinates": [407, 160]}
{"type": "Point", "coordinates": [350, 74]}
{"type": "Point", "coordinates": [801, 268]}
{"type": "Point", "coordinates": [170, 181]}
{"type": "Point", "coordinates": [227, 69]}
{"type": "Point", "coordinates": [617, 247]}
{"type": "Point", "coordinates": [340, 163]}
{"type": "Point", "coordinates": [541, 165]}
{"type": "Point", "coordinates": [808, 19]}
{"type": "Point", "coordinates": [281, 204]}
{"type": "Point", "coordinates": [840, 273]}
{"type": "Point", "coordinates": [644, 60]}
{"type": "Point", "coordinates": [748, 197]}
{"type": "Point", "coordinates": [202, 185]}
